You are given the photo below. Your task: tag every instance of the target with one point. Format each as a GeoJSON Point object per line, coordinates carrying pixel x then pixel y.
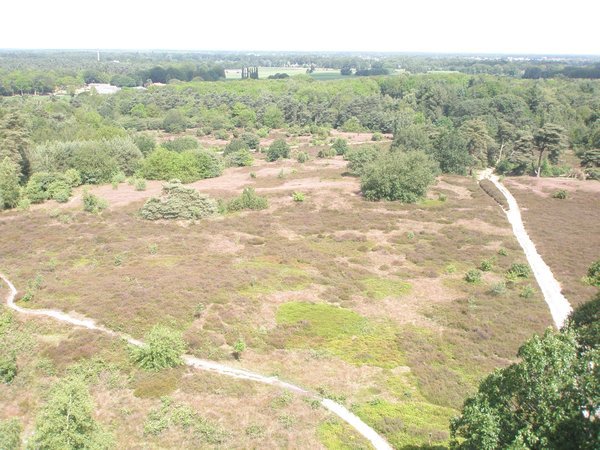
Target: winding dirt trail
{"type": "Point", "coordinates": [342, 412]}
{"type": "Point", "coordinates": [550, 287]}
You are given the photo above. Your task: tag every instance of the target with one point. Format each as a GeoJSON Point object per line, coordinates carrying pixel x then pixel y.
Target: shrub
{"type": "Point", "coordinates": [251, 140]}
{"type": "Point", "coordinates": [262, 132]}
{"type": "Point", "coordinates": [145, 143]}
{"type": "Point", "coordinates": [163, 348]}
{"type": "Point", "coordinates": [498, 289]}
{"type": "Point", "coordinates": [399, 176]}
{"type": "Point", "coordinates": [340, 146]}
{"type": "Point", "coordinates": [139, 184]}
{"type": "Point", "coordinates": [502, 252]}
{"type": "Point", "coordinates": [178, 202]}
{"type": "Point", "coordinates": [560, 194]}
{"type": "Point", "coordinates": [59, 190]}
{"type": "Point", "coordinates": [8, 368]}
{"type": "Point", "coordinates": [221, 134]}
{"type": "Point", "coordinates": [593, 274]}
{"type": "Point", "coordinates": [327, 152]}
{"type": "Point", "coordinates": [486, 265]}
{"type": "Point", "coordinates": [10, 434]}
{"type": "Point", "coordinates": [72, 177]}
{"type": "Point", "coordinates": [298, 196]}
{"type": "Point", "coordinates": [24, 204]}
{"type": "Point", "coordinates": [352, 125]}
{"type": "Point", "coordinates": [491, 190]}
{"type": "Point", "coordinates": [377, 136]}
{"type": "Point", "coordinates": [36, 189]}
{"type": "Point", "coordinates": [279, 149]}
{"type": "Point", "coordinates": [238, 348]}
{"type": "Point", "coordinates": [241, 158]}
{"type": "Point", "coordinates": [93, 204]}
{"type": "Point", "coordinates": [235, 146]}
{"type": "Point", "coordinates": [527, 292]}
{"type": "Point", "coordinates": [188, 166]}
{"type": "Point", "coordinates": [181, 144]}
{"type": "Point", "coordinates": [302, 157]}
{"type": "Point", "coordinates": [174, 122]}
{"type": "Point", "coordinates": [518, 270]}
{"type": "Point", "coordinates": [247, 200]}
{"type": "Point", "coordinates": [359, 158]}
{"type": "Point", "coordinates": [473, 276]}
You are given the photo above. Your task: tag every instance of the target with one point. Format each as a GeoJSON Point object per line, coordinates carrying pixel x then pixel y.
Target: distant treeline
{"type": "Point", "coordinates": [535, 73]}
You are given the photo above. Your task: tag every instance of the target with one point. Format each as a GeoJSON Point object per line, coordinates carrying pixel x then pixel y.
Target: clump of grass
{"type": "Point", "coordinates": [473, 276]}
{"type": "Point", "coordinates": [298, 196]}
{"type": "Point", "coordinates": [503, 252]}
{"type": "Point", "coordinates": [139, 184]}
{"type": "Point", "coordinates": [302, 157]}
{"type": "Point", "coordinates": [93, 204]}
{"type": "Point", "coordinates": [153, 249]}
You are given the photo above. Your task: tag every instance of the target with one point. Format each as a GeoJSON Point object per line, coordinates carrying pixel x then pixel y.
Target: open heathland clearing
{"type": "Point", "coordinates": [364, 302]}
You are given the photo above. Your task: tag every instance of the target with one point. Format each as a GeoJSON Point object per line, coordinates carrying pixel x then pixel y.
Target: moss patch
{"type": "Point", "coordinates": [341, 332]}
{"type": "Point", "coordinates": [380, 288]}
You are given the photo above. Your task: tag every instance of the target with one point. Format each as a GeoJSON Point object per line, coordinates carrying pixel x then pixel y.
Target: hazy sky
{"type": "Point", "coordinates": [474, 26]}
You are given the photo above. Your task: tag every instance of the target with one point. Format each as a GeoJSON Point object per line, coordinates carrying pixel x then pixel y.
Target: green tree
{"type": "Point", "coordinates": [549, 139]}
{"type": "Point", "coordinates": [174, 122]}
{"type": "Point", "coordinates": [450, 151]}
{"type": "Point", "coordinates": [14, 142]}
{"type": "Point", "coordinates": [478, 140]}
{"type": "Point", "coordinates": [399, 176]}
{"type": "Point", "coordinates": [273, 117]}
{"type": "Point", "coordinates": [9, 184]}
{"type": "Point", "coordinates": [163, 348]}
{"type": "Point", "coordinates": [550, 399]}
{"type": "Point", "coordinates": [66, 420]}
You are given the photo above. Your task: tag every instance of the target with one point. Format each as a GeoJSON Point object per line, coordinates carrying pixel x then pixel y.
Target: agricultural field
{"type": "Point", "coordinates": [265, 72]}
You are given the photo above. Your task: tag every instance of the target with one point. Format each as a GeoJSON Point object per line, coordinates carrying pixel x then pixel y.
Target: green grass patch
{"type": "Point", "coordinates": [272, 277]}
{"type": "Point", "coordinates": [380, 288]}
{"type": "Point", "coordinates": [408, 424]}
{"type": "Point", "coordinates": [336, 435]}
{"type": "Point", "coordinates": [339, 331]}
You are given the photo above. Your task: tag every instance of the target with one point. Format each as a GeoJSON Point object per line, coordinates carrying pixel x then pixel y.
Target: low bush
{"type": "Point", "coordinates": [279, 149]}
{"type": "Point", "coordinates": [473, 276]}
{"type": "Point", "coordinates": [8, 368]}
{"type": "Point", "coordinates": [251, 140]}
{"type": "Point", "coordinates": [491, 190]}
{"type": "Point", "coordinates": [498, 289]}
{"type": "Point", "coordinates": [241, 158]}
{"type": "Point", "coordinates": [10, 434]}
{"type": "Point", "coordinates": [93, 204]}
{"type": "Point", "coordinates": [560, 194]}
{"type": "Point", "coordinates": [340, 146]}
{"type": "Point", "coordinates": [163, 348]}
{"type": "Point", "coordinates": [486, 265]}
{"type": "Point", "coordinates": [178, 202]}
{"type": "Point", "coordinates": [72, 177]}
{"type": "Point", "coordinates": [234, 146]}
{"type": "Point", "coordinates": [593, 274]}
{"type": "Point", "coordinates": [518, 270]}
{"type": "Point", "coordinates": [527, 292]}
{"type": "Point", "coordinates": [399, 176]}
{"type": "Point", "coordinates": [59, 190]}
{"type": "Point", "coordinates": [302, 157]}
{"type": "Point", "coordinates": [139, 184]}
{"type": "Point", "coordinates": [249, 199]}
{"type": "Point", "coordinates": [327, 152]}
{"type": "Point", "coordinates": [188, 166]}
{"type": "Point", "coordinates": [181, 144]}
{"type": "Point", "coordinates": [377, 136]}
{"type": "Point", "coordinates": [298, 196]}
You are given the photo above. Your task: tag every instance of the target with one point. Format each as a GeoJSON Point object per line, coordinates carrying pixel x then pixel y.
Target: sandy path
{"type": "Point", "coordinates": [370, 434]}
{"type": "Point", "coordinates": [550, 287]}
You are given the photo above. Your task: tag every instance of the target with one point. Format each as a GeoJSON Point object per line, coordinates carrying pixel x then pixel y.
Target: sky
{"type": "Point", "coordinates": [437, 26]}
